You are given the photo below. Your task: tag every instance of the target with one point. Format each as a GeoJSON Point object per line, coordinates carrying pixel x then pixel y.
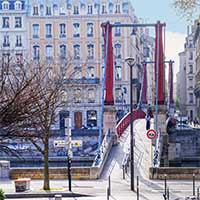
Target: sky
{"type": "Point", "coordinates": [176, 27]}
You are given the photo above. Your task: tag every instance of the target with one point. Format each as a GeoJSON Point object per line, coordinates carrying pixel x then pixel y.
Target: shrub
{"type": "Point", "coordinates": [2, 195]}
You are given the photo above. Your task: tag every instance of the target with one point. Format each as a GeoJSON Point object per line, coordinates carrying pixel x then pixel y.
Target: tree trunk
{"type": "Point", "coordinates": [46, 185]}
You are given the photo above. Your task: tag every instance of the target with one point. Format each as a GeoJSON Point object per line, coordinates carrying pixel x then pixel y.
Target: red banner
{"type": "Point", "coordinates": [159, 58]}
{"type": "Point", "coordinates": [109, 99]}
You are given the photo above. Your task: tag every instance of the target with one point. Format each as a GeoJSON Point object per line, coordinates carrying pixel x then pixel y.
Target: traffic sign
{"type": "Point", "coordinates": [64, 143]}
{"type": "Point", "coordinates": [76, 143]}
{"type": "Point", "coordinates": [60, 143]}
{"type": "Point", "coordinates": [151, 134]}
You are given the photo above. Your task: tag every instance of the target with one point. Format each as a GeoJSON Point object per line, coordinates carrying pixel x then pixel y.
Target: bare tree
{"type": "Point", "coordinates": [30, 95]}
{"type": "Point", "coordinates": [187, 8]}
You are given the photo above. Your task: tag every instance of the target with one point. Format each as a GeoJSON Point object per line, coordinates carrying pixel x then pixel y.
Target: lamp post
{"type": "Point", "coordinates": [69, 159]}
{"type": "Point", "coordinates": [131, 62]}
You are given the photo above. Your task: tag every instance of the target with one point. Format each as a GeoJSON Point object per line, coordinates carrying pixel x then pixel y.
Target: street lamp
{"type": "Point", "coordinates": [131, 62]}
{"type": "Point", "coordinates": [69, 153]}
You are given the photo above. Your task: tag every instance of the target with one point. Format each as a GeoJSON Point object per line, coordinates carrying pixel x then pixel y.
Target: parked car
{"type": "Point", "coordinates": [183, 127]}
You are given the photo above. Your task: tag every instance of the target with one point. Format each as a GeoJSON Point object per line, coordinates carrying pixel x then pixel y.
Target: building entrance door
{"type": "Point", "coordinates": [78, 119]}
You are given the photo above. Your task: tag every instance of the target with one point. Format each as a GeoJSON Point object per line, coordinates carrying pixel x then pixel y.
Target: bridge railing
{"type": "Point", "coordinates": [104, 149]}
{"type": "Point", "coordinates": [125, 121]}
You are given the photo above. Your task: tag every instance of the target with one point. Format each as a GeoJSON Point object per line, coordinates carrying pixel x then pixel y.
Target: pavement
{"type": "Point", "coordinates": [120, 188]}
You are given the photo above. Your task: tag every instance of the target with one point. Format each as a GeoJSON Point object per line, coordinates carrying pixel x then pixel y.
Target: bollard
{"type": "Point", "coordinates": [123, 168]}
{"type": "Point", "coordinates": [107, 193]}
{"type": "Point", "coordinates": [165, 192]}
{"type": "Point", "coordinates": [109, 185]}
{"type": "Point", "coordinates": [126, 171]}
{"type": "Point", "coordinates": [198, 193]}
{"type": "Point", "coordinates": [193, 184]}
{"type": "Point", "coordinates": [58, 197]}
{"type": "Point", "coordinates": [138, 194]}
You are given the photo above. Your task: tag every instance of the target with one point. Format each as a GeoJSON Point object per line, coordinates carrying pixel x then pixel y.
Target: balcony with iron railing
{"type": "Point", "coordinates": [82, 81]}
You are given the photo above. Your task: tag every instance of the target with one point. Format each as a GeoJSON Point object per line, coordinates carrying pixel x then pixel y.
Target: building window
{"type": "Point", "coordinates": [77, 95]}
{"type": "Point", "coordinates": [18, 5]}
{"type": "Point", "coordinates": [118, 95]}
{"type": "Point", "coordinates": [62, 9]}
{"type": "Point", "coordinates": [35, 10]}
{"type": "Point", "coordinates": [110, 7]}
{"type": "Point", "coordinates": [36, 52]}
{"type": "Point", "coordinates": [117, 50]}
{"type": "Point", "coordinates": [118, 72]}
{"type": "Point", "coordinates": [62, 51]}
{"type": "Point", "coordinates": [18, 41]}
{"type": "Point", "coordinates": [6, 42]}
{"type": "Point", "coordinates": [117, 30]}
{"type": "Point", "coordinates": [191, 69]}
{"type": "Point", "coordinates": [62, 31]}
{"type": "Point", "coordinates": [104, 11]}
{"type": "Point", "coordinates": [90, 51]}
{"type": "Point", "coordinates": [35, 30]}
{"type": "Point", "coordinates": [5, 5]}
{"type": "Point", "coordinates": [48, 10]}
{"type": "Point", "coordinates": [5, 22]}
{"type": "Point", "coordinates": [90, 29]}
{"type": "Point", "coordinates": [76, 31]}
{"type": "Point", "coordinates": [91, 96]}
{"type": "Point", "coordinates": [91, 118]}
{"type": "Point", "coordinates": [77, 51]}
{"type": "Point", "coordinates": [117, 8]}
{"type": "Point", "coordinates": [18, 22]}
{"type": "Point", "coordinates": [90, 9]}
{"type": "Point", "coordinates": [76, 10]}
{"type": "Point", "coordinates": [190, 56]}
{"type": "Point", "coordinates": [48, 30]}
{"type": "Point", "coordinates": [49, 52]}
{"type": "Point", "coordinates": [125, 7]}
{"type": "Point", "coordinates": [91, 72]}
{"type": "Point", "coordinates": [62, 115]}
{"type": "Point", "coordinates": [19, 57]}
{"type": "Point", "coordinates": [78, 73]}
{"type": "Point", "coordinates": [190, 97]}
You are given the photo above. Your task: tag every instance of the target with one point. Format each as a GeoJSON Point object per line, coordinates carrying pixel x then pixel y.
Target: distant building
{"type": "Point", "coordinates": [13, 29]}
{"type": "Point", "coordinates": [181, 83]}
{"type": "Point", "coordinates": [149, 55]}
{"type": "Point", "coordinates": [197, 60]}
{"type": "Point", "coordinates": [186, 78]}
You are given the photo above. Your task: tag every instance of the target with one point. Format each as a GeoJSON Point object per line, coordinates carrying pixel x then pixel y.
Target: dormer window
{"type": "Point", "coordinates": [5, 5]}
{"type": "Point", "coordinates": [18, 5]}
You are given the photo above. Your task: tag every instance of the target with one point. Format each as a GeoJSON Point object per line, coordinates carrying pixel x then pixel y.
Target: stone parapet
{"type": "Point", "coordinates": [174, 173]}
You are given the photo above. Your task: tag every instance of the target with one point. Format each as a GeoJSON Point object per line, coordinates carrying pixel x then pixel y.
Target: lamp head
{"type": "Point", "coordinates": [130, 61]}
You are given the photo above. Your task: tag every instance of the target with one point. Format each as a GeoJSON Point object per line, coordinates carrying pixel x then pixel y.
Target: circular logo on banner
{"type": "Point", "coordinates": [151, 134]}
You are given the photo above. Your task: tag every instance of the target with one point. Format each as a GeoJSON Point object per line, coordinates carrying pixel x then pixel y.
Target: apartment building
{"type": "Point", "coordinates": [13, 30]}
{"type": "Point", "coordinates": [69, 35]}
{"type": "Point", "coordinates": [186, 79]}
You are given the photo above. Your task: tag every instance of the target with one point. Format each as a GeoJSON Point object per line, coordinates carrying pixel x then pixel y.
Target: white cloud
{"type": "Point", "coordinates": [174, 44]}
